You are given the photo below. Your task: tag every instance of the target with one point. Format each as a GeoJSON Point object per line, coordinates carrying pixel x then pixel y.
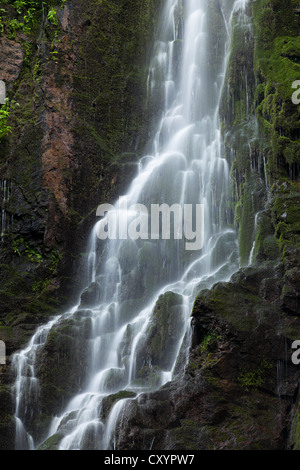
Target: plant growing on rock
{"type": "Point", "coordinates": [4, 115]}
{"type": "Point", "coordinates": [5, 111]}
{"type": "Point", "coordinates": [52, 16]}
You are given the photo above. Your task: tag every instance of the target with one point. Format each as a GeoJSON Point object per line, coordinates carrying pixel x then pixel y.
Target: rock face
{"type": "Point", "coordinates": [164, 333]}
{"type": "Point", "coordinates": [64, 67]}
{"type": "Point", "coordinates": [239, 390]}
{"type": "Point", "coordinates": [62, 368]}
{"type": "Point", "coordinates": [90, 296]}
{"type": "Point", "coordinates": [11, 60]}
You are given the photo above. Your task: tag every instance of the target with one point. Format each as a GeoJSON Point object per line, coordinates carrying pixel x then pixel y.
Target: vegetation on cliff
{"type": "Point", "coordinates": [73, 110]}
{"type": "Point", "coordinates": [70, 139]}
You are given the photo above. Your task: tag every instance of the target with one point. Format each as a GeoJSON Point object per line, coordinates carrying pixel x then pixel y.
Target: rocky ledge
{"type": "Point", "coordinates": [240, 387]}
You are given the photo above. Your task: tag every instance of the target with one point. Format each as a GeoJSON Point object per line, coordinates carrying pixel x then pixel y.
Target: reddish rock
{"type": "Point", "coordinates": [58, 161]}
{"type": "Point", "coordinates": [11, 60]}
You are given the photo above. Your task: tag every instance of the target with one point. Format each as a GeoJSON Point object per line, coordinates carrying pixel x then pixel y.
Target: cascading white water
{"type": "Point", "coordinates": [137, 279]}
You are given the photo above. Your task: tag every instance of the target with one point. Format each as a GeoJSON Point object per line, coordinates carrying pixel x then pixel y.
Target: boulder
{"type": "Point", "coordinates": [90, 296]}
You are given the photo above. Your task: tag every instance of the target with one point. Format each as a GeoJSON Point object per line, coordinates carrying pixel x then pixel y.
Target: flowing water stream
{"type": "Point", "coordinates": [137, 286]}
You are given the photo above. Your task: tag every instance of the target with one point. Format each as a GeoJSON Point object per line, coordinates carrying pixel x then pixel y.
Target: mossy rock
{"type": "Point", "coordinates": [52, 443]}
{"type": "Point", "coordinates": [127, 256]}
{"type": "Point", "coordinates": [233, 303]}
{"type": "Point", "coordinates": [148, 376]}
{"type": "Point", "coordinates": [165, 330]}
{"type": "Point", "coordinates": [7, 423]}
{"type": "Point", "coordinates": [62, 365]}
{"type": "Point", "coordinates": [109, 402]}
{"type": "Point", "coordinates": [188, 436]}
{"type": "Point", "coordinates": [132, 286]}
{"type": "Point", "coordinates": [90, 296]}
{"type": "Point", "coordinates": [266, 243]}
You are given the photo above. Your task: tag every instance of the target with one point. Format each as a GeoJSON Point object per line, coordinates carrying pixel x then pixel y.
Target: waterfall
{"type": "Point", "coordinates": [140, 289]}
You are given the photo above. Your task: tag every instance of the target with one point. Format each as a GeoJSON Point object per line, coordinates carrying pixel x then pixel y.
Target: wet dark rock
{"type": "Point", "coordinates": [52, 443]}
{"type": "Point", "coordinates": [11, 60]}
{"type": "Point", "coordinates": [7, 425]}
{"type": "Point", "coordinates": [111, 400]}
{"type": "Point", "coordinates": [90, 296]}
{"type": "Point", "coordinates": [61, 368]}
{"type": "Point", "coordinates": [163, 335]}
{"type": "Point", "coordinates": [239, 388]}
{"type": "Point", "coordinates": [127, 256]}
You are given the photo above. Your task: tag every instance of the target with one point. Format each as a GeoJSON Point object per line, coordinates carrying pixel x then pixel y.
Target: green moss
{"type": "Point", "coordinates": [250, 380]}
{"type": "Point", "coordinates": [232, 302]}
{"type": "Point", "coordinates": [62, 366]}
{"type": "Point", "coordinates": [7, 422]}
{"type": "Point", "coordinates": [295, 436]}
{"type": "Point", "coordinates": [52, 443]}
{"type": "Point", "coordinates": [4, 115]}
{"type": "Point", "coordinates": [26, 296]}
{"type": "Point", "coordinates": [277, 65]}
{"type": "Point", "coordinates": [28, 280]}
{"type": "Point", "coordinates": [247, 415]}
{"type": "Point", "coordinates": [209, 342]}
{"type": "Point", "coordinates": [165, 329]}
{"type": "Point", "coordinates": [254, 379]}
{"type": "Point", "coordinates": [261, 126]}
{"type": "Point", "coordinates": [206, 354]}
{"type": "Point", "coordinates": [188, 436]}
{"type": "Point", "coordinates": [24, 15]}
{"type": "Point", "coordinates": [111, 400]}
{"type": "Point", "coordinates": [118, 37]}
{"type": "Point", "coordinates": [286, 215]}
{"type": "Point", "coordinates": [266, 243]}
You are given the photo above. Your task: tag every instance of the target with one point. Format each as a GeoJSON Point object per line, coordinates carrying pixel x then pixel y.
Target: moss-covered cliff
{"type": "Point", "coordinates": [77, 90]}
{"type": "Point", "coordinates": [71, 134]}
